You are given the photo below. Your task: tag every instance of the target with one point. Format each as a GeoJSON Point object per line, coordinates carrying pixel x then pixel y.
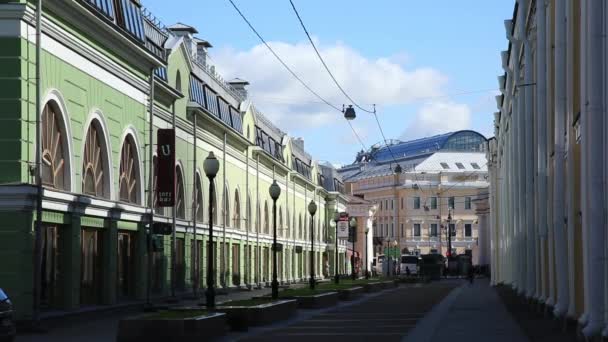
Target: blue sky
{"type": "Point", "coordinates": [430, 66]}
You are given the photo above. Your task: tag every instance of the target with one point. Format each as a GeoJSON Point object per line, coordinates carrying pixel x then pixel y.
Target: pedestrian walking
{"type": "Point", "coordinates": [471, 274]}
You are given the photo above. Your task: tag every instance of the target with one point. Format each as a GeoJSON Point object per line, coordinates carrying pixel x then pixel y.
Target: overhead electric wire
{"type": "Point", "coordinates": [336, 81]}
{"type": "Point", "coordinates": [290, 70]}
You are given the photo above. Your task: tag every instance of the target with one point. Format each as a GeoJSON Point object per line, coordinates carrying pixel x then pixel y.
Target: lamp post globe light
{"type": "Point", "coordinates": [353, 227]}
{"type": "Point", "coordinates": [336, 275]}
{"type": "Point", "coordinates": [366, 261]}
{"type": "Point", "coordinates": [275, 192]}
{"type": "Point", "coordinates": [211, 166]}
{"type": "Point", "coordinates": [312, 210]}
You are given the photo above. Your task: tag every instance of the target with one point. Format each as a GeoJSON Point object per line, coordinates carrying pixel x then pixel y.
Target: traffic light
{"type": "Point", "coordinates": [160, 228]}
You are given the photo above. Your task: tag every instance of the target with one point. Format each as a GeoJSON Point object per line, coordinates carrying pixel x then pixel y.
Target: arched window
{"type": "Point", "coordinates": [300, 230]}
{"type": "Point", "coordinates": [248, 214]}
{"type": "Point", "coordinates": [266, 218]}
{"type": "Point", "coordinates": [178, 81]}
{"type": "Point", "coordinates": [180, 204]}
{"type": "Point", "coordinates": [53, 138]}
{"type": "Point", "coordinates": [280, 227]}
{"type": "Point", "coordinates": [94, 170]}
{"type": "Point", "coordinates": [236, 218]}
{"type": "Point", "coordinates": [199, 209]}
{"type": "Point", "coordinates": [258, 219]}
{"type": "Point", "coordinates": [128, 185]}
{"type": "Point", "coordinates": [226, 208]}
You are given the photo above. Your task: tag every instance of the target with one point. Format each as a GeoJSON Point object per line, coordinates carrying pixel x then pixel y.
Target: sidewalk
{"type": "Point", "coordinates": [469, 313]}
{"type": "Point", "coordinates": [103, 329]}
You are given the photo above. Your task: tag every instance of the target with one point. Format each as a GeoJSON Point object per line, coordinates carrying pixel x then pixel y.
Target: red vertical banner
{"type": "Point", "coordinates": [165, 186]}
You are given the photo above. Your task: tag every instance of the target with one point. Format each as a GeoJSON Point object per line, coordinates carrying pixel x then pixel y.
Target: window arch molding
{"type": "Point", "coordinates": [198, 198]}
{"type": "Point", "coordinates": [97, 120]}
{"type": "Point", "coordinates": [180, 208]}
{"type": "Point", "coordinates": [54, 97]}
{"type": "Point", "coordinates": [237, 209]}
{"type": "Point", "coordinates": [131, 132]}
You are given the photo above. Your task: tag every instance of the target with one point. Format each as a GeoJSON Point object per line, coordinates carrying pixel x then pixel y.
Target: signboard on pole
{"type": "Point", "coordinates": [343, 226]}
{"type": "Point", "coordinates": [165, 168]}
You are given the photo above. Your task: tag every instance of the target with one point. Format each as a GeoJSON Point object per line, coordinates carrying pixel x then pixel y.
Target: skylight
{"type": "Point", "coordinates": [460, 166]}
{"type": "Point", "coordinates": [445, 166]}
{"type": "Point", "coordinates": [475, 166]}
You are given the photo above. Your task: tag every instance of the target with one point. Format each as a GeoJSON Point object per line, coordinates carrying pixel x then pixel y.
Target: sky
{"type": "Point", "coordinates": [429, 66]}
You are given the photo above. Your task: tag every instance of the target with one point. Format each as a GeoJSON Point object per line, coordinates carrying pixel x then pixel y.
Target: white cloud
{"type": "Point", "coordinates": [285, 101]}
{"type": "Point", "coordinates": [438, 117]}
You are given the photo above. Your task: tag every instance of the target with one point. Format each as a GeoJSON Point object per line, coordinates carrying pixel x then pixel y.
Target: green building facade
{"type": "Point", "coordinates": [102, 63]}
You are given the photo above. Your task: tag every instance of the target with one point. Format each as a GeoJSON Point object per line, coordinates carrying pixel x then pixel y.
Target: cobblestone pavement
{"type": "Point", "coordinates": [387, 316]}
{"type": "Point", "coordinates": [101, 327]}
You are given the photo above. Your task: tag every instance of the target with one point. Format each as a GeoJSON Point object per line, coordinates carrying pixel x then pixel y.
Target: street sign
{"type": "Point", "coordinates": [165, 168]}
{"type": "Point", "coordinates": [343, 226]}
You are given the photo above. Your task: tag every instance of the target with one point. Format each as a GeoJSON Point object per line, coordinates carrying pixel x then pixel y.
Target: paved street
{"type": "Point", "coordinates": [388, 315]}
{"type": "Point", "coordinates": [102, 328]}
{"type": "Point", "coordinates": [447, 310]}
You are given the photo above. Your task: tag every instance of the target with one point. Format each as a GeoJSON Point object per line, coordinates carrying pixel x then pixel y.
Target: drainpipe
{"type": "Point", "coordinates": [194, 211]}
{"type": "Point", "coordinates": [247, 224]}
{"type": "Point", "coordinates": [258, 221]}
{"type": "Point", "coordinates": [559, 163]}
{"type": "Point", "coordinates": [225, 214]}
{"type": "Point", "coordinates": [38, 223]}
{"type": "Point", "coordinates": [173, 225]}
{"type": "Point", "coordinates": [595, 206]}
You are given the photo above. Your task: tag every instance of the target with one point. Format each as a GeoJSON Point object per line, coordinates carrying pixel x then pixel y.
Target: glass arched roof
{"type": "Point", "coordinates": [465, 140]}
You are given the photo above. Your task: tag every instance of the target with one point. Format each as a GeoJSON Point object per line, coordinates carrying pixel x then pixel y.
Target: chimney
{"type": "Point", "coordinates": [187, 32]}
{"type": "Point", "coordinates": [239, 85]}
{"type": "Point", "coordinates": [299, 142]}
{"type": "Point", "coordinates": [201, 49]}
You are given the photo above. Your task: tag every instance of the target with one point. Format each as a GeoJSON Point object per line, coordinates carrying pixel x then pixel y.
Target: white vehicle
{"type": "Point", "coordinates": [411, 262]}
{"type": "Point", "coordinates": [377, 264]}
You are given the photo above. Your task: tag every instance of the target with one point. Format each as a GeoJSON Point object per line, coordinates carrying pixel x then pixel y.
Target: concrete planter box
{"type": "Point", "coordinates": [373, 287]}
{"type": "Point", "coordinates": [240, 318]}
{"type": "Point", "coordinates": [350, 294]}
{"type": "Point", "coordinates": [321, 300]}
{"type": "Point", "coordinates": [139, 328]}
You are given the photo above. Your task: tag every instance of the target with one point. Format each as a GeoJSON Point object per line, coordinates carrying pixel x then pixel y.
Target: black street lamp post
{"type": "Point", "coordinates": [353, 227]}
{"type": "Point", "coordinates": [336, 275]}
{"type": "Point", "coordinates": [366, 261]}
{"type": "Point", "coordinates": [449, 234]}
{"type": "Point", "coordinates": [275, 192]}
{"type": "Point", "coordinates": [211, 166]}
{"type": "Point", "coordinates": [312, 209]}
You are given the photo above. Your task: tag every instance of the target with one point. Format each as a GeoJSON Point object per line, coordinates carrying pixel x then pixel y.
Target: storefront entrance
{"type": "Point", "coordinates": [126, 265]}
{"type": "Point", "coordinates": [90, 269]}
{"type": "Point", "coordinates": [50, 288]}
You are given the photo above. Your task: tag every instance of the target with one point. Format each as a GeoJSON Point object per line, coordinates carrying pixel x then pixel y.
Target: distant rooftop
{"type": "Point", "coordinates": [381, 160]}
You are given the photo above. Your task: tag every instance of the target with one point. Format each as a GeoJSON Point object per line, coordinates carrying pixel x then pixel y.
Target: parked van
{"type": "Point", "coordinates": [377, 264]}
{"type": "Point", "coordinates": [411, 262]}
